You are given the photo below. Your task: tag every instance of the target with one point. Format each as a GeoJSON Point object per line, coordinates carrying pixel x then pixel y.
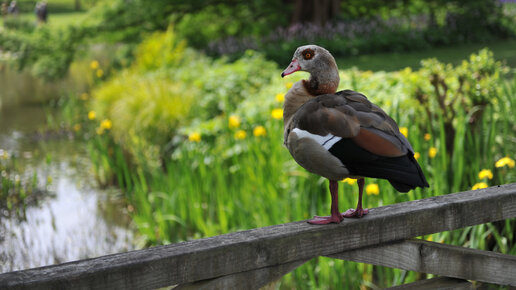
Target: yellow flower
{"type": "Point", "coordinates": [417, 155]}
{"type": "Point", "coordinates": [349, 181]}
{"type": "Point", "coordinates": [49, 179]}
{"type": "Point", "coordinates": [505, 161]}
{"type": "Point", "coordinates": [277, 114]}
{"type": "Point", "coordinates": [372, 189]}
{"type": "Point", "coordinates": [240, 134]}
{"type": "Point", "coordinates": [94, 65]}
{"type": "Point", "coordinates": [234, 121]}
{"type": "Point", "coordinates": [280, 97]}
{"type": "Point", "coordinates": [432, 152]}
{"type": "Point", "coordinates": [91, 115]}
{"type": "Point", "coordinates": [100, 131]}
{"type": "Point", "coordinates": [100, 73]}
{"type": "Point", "coordinates": [485, 173]}
{"type": "Point", "coordinates": [427, 136]}
{"type": "Point", "coordinates": [288, 85]}
{"type": "Point", "coordinates": [77, 127]}
{"type": "Point", "coordinates": [106, 124]}
{"type": "Point", "coordinates": [479, 185]}
{"type": "Point", "coordinates": [194, 137]}
{"type": "Point", "coordinates": [259, 131]}
{"type": "Point", "coordinates": [404, 131]}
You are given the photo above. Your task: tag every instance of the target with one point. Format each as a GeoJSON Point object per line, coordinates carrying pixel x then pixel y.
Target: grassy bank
{"type": "Point", "coordinates": [504, 51]}
{"type": "Point", "coordinates": [221, 166]}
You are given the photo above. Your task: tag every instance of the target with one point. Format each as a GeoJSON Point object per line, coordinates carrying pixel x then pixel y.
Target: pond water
{"type": "Point", "coordinates": [74, 219]}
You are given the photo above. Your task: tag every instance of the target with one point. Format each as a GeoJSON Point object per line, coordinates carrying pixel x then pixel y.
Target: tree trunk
{"type": "Point", "coordinates": [315, 11]}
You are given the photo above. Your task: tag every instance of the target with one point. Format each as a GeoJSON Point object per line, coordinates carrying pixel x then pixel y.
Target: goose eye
{"type": "Point", "coordinates": [308, 54]}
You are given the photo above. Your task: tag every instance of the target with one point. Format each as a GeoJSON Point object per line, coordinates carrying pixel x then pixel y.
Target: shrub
{"type": "Point", "coordinates": [168, 86]}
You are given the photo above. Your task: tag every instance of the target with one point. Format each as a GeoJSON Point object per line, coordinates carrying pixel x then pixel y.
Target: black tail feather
{"type": "Point", "coordinates": [404, 173]}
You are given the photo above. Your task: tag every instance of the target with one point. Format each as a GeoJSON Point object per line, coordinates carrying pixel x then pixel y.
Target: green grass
{"type": "Point", "coordinates": [54, 6]}
{"type": "Point", "coordinates": [503, 50]}
{"type": "Point", "coordinates": [57, 20]}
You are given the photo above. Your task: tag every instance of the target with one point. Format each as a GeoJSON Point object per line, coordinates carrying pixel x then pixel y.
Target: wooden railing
{"type": "Point", "coordinates": [251, 259]}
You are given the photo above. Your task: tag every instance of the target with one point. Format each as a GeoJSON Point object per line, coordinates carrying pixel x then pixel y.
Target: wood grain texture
{"type": "Point", "coordinates": [254, 279]}
{"type": "Point", "coordinates": [439, 283]}
{"type": "Point", "coordinates": [264, 247]}
{"type": "Point", "coordinates": [439, 259]}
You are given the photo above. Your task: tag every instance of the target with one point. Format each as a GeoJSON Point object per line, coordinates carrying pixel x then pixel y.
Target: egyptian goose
{"type": "Point", "coordinates": [342, 134]}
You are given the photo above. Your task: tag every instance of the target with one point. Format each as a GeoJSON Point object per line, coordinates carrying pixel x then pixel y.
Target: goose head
{"type": "Point", "coordinates": [324, 74]}
{"type": "Point", "coordinates": [313, 59]}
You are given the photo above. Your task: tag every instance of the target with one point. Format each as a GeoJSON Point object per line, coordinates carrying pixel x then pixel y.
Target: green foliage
{"type": "Point", "coordinates": [47, 52]}
{"type": "Point", "coordinates": [20, 24]}
{"type": "Point", "coordinates": [145, 109]}
{"type": "Point", "coordinates": [213, 22]}
{"type": "Point", "coordinates": [19, 187]}
{"type": "Point", "coordinates": [160, 51]}
{"type": "Point", "coordinates": [227, 169]}
{"type": "Point", "coordinates": [162, 91]}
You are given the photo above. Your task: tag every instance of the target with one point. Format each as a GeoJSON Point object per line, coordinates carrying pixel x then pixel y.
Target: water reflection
{"type": "Point", "coordinates": [75, 220]}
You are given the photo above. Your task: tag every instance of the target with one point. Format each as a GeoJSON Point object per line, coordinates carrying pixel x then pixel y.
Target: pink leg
{"type": "Point", "coordinates": [359, 212]}
{"type": "Point", "coordinates": [336, 216]}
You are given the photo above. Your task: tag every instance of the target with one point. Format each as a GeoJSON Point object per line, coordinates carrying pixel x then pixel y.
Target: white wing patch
{"type": "Point", "coordinates": [325, 141]}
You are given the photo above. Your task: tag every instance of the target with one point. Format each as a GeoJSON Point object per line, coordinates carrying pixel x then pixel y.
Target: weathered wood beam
{"type": "Point", "coordinates": [439, 259]}
{"type": "Point", "coordinates": [439, 283]}
{"type": "Point", "coordinates": [254, 279]}
{"type": "Point", "coordinates": [264, 247]}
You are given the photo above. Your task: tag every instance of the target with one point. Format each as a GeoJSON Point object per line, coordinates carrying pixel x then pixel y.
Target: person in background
{"type": "Point", "coordinates": [41, 12]}
{"type": "Point", "coordinates": [13, 8]}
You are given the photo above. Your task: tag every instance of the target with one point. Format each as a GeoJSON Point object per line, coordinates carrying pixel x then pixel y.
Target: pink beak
{"type": "Point", "coordinates": [292, 68]}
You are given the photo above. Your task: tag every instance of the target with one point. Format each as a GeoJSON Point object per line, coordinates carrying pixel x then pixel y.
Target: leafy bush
{"type": "Point", "coordinates": [20, 24]}
{"type": "Point", "coordinates": [163, 90]}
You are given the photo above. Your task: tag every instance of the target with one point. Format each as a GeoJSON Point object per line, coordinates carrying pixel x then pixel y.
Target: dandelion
{"type": "Point", "coordinates": [404, 131]}
{"type": "Point", "coordinates": [417, 155]}
{"type": "Point", "coordinates": [94, 65]}
{"type": "Point", "coordinates": [372, 189]}
{"type": "Point", "coordinates": [479, 185]}
{"type": "Point", "coordinates": [485, 173]}
{"type": "Point", "coordinates": [427, 136]}
{"type": "Point", "coordinates": [280, 97]}
{"type": "Point", "coordinates": [277, 114]}
{"type": "Point", "coordinates": [240, 134]}
{"type": "Point", "coordinates": [234, 121]}
{"type": "Point", "coordinates": [91, 115]}
{"type": "Point", "coordinates": [432, 152]}
{"type": "Point", "coordinates": [77, 127]}
{"type": "Point", "coordinates": [288, 85]}
{"type": "Point", "coordinates": [106, 124]}
{"type": "Point", "coordinates": [349, 181]}
{"type": "Point", "coordinates": [505, 161]}
{"type": "Point", "coordinates": [99, 73]}
{"type": "Point", "coordinates": [259, 131]}
{"type": "Point", "coordinates": [194, 137]}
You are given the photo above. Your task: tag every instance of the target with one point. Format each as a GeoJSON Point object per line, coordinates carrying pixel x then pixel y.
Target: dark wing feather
{"type": "Point", "coordinates": [403, 172]}
{"type": "Point", "coordinates": [346, 114]}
